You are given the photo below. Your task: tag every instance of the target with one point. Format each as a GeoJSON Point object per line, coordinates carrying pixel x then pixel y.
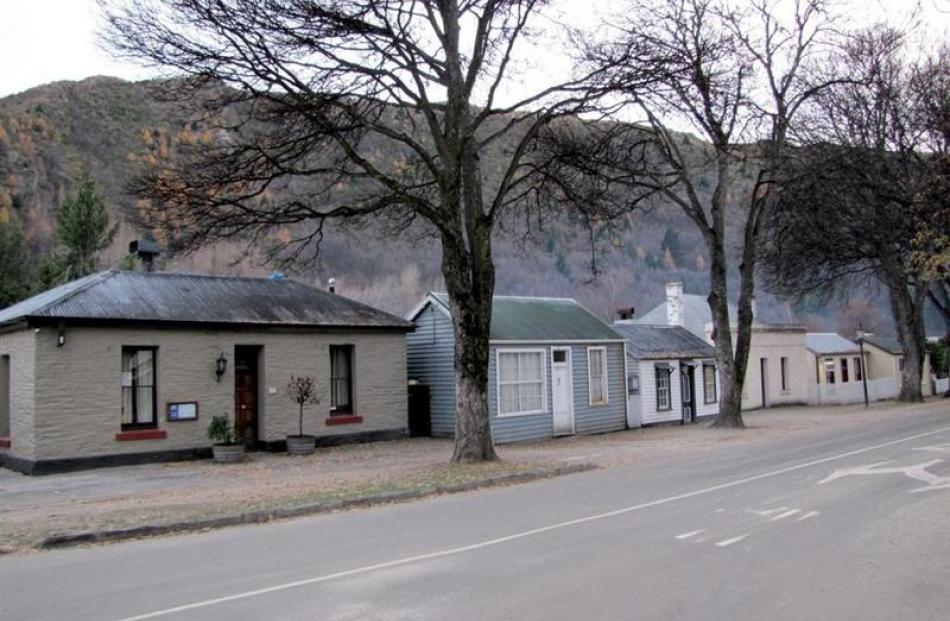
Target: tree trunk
{"type": "Point", "coordinates": [730, 379]}
{"type": "Point", "coordinates": [907, 309]}
{"type": "Point", "coordinates": [470, 281]}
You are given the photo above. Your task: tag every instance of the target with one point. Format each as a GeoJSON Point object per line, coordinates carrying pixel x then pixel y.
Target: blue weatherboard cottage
{"type": "Point", "coordinates": [555, 369]}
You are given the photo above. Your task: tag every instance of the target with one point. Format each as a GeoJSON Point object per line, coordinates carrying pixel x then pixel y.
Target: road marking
{"type": "Point", "coordinates": [691, 533]}
{"type": "Point", "coordinates": [523, 534]}
{"type": "Point", "coordinates": [729, 542]}
{"type": "Point", "coordinates": [767, 512]}
{"type": "Point", "coordinates": [918, 472]}
{"type": "Point", "coordinates": [782, 516]}
{"type": "Point", "coordinates": [937, 448]}
{"type": "Point", "coordinates": [807, 516]}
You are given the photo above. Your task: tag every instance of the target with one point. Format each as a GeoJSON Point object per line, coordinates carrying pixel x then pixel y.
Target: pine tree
{"type": "Point", "coordinates": [14, 262]}
{"type": "Point", "coordinates": [84, 231]}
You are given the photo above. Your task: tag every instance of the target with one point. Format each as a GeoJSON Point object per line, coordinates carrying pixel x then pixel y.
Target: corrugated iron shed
{"type": "Point", "coordinates": [117, 295]}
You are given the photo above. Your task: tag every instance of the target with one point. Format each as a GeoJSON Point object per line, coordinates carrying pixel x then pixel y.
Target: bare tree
{"type": "Point", "coordinates": [305, 96]}
{"type": "Point", "coordinates": [738, 78]}
{"type": "Point", "coordinates": [866, 199]}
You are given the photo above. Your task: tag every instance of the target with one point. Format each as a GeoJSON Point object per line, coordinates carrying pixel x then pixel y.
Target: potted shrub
{"type": "Point", "coordinates": [301, 391]}
{"type": "Point", "coordinates": [226, 448]}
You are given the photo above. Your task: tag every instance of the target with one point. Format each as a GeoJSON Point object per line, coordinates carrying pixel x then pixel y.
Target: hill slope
{"type": "Point", "coordinates": [50, 135]}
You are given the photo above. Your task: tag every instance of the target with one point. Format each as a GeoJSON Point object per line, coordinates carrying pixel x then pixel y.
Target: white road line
{"type": "Point", "coordinates": [691, 533]}
{"type": "Point", "coordinates": [768, 512]}
{"type": "Point", "coordinates": [729, 542]}
{"type": "Point", "coordinates": [807, 516]}
{"type": "Point", "coordinates": [523, 534]}
{"type": "Point", "coordinates": [782, 516]}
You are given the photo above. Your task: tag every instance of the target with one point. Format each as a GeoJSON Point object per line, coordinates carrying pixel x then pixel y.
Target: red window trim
{"type": "Point", "coordinates": [140, 434]}
{"type": "Point", "coordinates": [4, 441]}
{"type": "Point", "coordinates": [350, 419]}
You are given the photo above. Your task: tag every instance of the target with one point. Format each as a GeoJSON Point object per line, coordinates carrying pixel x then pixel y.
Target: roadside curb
{"type": "Point", "coordinates": [64, 540]}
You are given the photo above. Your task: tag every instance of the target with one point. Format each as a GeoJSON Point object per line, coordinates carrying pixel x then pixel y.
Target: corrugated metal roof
{"type": "Point", "coordinates": [830, 343]}
{"type": "Point", "coordinates": [191, 298]}
{"type": "Point", "coordinates": [542, 319]}
{"type": "Point", "coordinates": [890, 345]}
{"type": "Point", "coordinates": [696, 315]}
{"type": "Point", "coordinates": [653, 342]}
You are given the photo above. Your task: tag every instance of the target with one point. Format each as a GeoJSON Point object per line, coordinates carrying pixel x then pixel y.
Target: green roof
{"type": "Point", "coordinates": [541, 319]}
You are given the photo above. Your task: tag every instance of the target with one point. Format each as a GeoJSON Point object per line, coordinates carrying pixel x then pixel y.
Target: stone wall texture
{"type": "Point", "coordinates": [21, 347]}
{"type": "Point", "coordinates": [76, 389]}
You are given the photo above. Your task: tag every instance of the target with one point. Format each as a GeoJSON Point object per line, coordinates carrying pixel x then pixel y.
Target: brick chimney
{"type": "Point", "coordinates": [674, 303]}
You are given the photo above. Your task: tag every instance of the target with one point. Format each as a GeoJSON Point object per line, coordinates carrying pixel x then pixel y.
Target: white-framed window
{"type": "Point", "coordinates": [597, 375]}
{"type": "Point", "coordinates": [709, 383]}
{"type": "Point", "coordinates": [858, 370]}
{"type": "Point", "coordinates": [663, 398]}
{"type": "Point", "coordinates": [521, 382]}
{"type": "Point", "coordinates": [829, 371]}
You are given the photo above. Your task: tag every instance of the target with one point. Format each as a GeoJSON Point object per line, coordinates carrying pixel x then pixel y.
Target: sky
{"type": "Point", "coordinates": [43, 41]}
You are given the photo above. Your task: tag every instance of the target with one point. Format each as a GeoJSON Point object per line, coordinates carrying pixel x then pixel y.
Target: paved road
{"type": "Point", "coordinates": [853, 525]}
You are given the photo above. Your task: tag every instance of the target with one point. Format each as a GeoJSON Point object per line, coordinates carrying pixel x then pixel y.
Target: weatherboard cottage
{"type": "Point", "coordinates": [555, 369]}
{"type": "Point", "coordinates": [671, 374]}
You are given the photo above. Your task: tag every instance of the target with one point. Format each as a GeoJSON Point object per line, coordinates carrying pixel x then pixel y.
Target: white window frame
{"type": "Point", "coordinates": [715, 384]}
{"type": "Point", "coordinates": [498, 381]}
{"type": "Point", "coordinates": [669, 387]}
{"type": "Point", "coordinates": [605, 382]}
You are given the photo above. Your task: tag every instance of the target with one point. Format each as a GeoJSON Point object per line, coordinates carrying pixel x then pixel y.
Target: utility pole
{"type": "Point", "coordinates": [864, 367]}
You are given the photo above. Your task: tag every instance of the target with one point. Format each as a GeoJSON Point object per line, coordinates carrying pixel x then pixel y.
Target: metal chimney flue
{"type": "Point", "coordinates": [626, 314]}
{"type": "Point", "coordinates": [331, 285]}
{"type": "Point", "coordinates": [146, 250]}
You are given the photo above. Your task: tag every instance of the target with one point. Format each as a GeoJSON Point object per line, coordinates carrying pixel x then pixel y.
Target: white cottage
{"type": "Point", "coordinates": [671, 375]}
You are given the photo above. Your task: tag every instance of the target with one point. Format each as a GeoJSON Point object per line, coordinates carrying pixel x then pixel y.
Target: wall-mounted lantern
{"type": "Point", "coordinates": [220, 366]}
{"type": "Point", "coordinates": [60, 335]}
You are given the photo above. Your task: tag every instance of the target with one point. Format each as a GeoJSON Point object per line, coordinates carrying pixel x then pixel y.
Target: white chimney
{"type": "Point", "coordinates": [674, 303]}
{"type": "Point", "coordinates": [755, 308]}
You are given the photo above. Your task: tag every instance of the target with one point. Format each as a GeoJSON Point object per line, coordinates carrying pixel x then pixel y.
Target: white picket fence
{"type": "Point", "coordinates": [853, 392]}
{"type": "Point", "coordinates": [941, 385]}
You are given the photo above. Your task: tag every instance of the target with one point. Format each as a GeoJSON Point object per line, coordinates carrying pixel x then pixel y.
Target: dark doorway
{"type": "Point", "coordinates": [420, 414]}
{"type": "Point", "coordinates": [246, 360]}
{"type": "Point", "coordinates": [764, 373]}
{"type": "Point", "coordinates": [689, 394]}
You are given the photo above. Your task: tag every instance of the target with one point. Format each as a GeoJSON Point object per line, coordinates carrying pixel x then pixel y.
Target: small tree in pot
{"type": "Point", "coordinates": [301, 391]}
{"type": "Point", "coordinates": [226, 448]}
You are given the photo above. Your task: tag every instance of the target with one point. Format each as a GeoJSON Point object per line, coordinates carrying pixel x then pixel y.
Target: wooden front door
{"type": "Point", "coordinates": [689, 394]}
{"type": "Point", "coordinates": [562, 391]}
{"type": "Point", "coordinates": [245, 393]}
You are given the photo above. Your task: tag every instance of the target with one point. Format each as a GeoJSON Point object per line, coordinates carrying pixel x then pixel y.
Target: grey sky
{"type": "Point", "coordinates": [48, 40]}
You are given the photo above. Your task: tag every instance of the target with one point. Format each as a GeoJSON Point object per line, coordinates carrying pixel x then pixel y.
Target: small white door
{"type": "Point", "coordinates": [563, 391]}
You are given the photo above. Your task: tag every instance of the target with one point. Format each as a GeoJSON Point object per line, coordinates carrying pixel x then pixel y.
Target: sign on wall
{"type": "Point", "coordinates": [183, 411]}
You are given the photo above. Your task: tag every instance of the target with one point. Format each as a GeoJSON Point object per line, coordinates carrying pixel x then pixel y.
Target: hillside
{"type": "Point", "coordinates": [51, 134]}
